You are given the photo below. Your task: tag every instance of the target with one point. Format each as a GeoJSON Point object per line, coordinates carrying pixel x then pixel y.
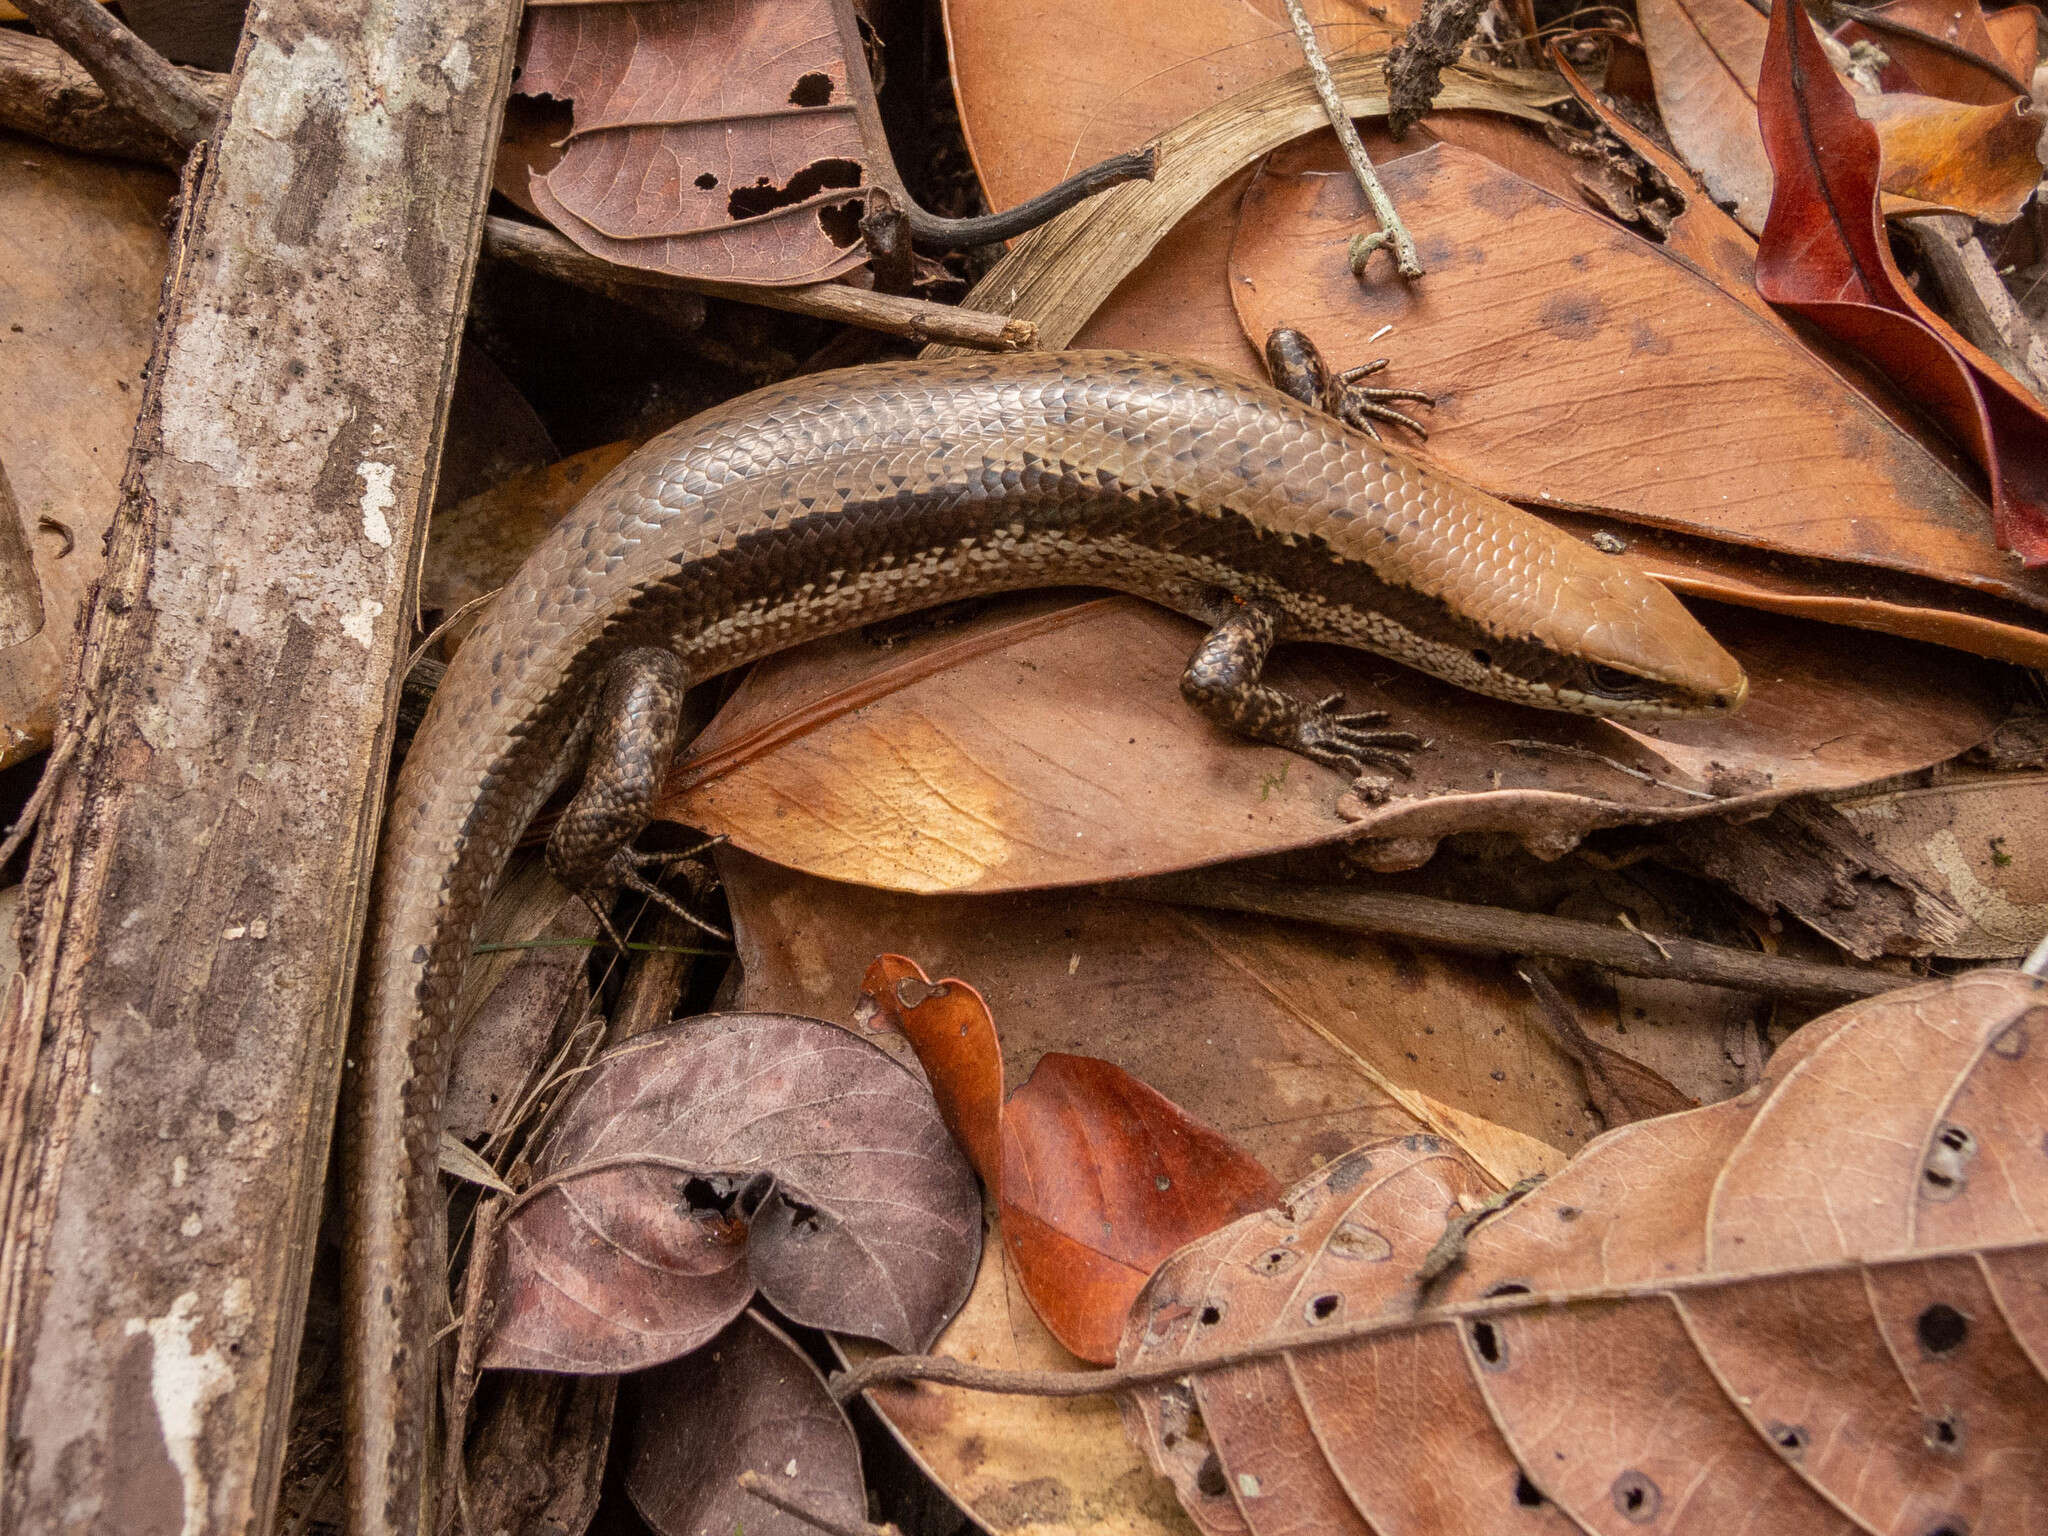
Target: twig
{"type": "Point", "coordinates": [1561, 1022]}
{"type": "Point", "coordinates": [1564, 749]}
{"type": "Point", "coordinates": [1448, 1253]}
{"type": "Point", "coordinates": [945, 1371]}
{"type": "Point", "coordinates": [994, 228]}
{"type": "Point", "coordinates": [53, 775]}
{"type": "Point", "coordinates": [1392, 232]}
{"type": "Point", "coordinates": [757, 1485]}
{"type": "Point", "coordinates": [544, 251]}
{"type": "Point", "coordinates": [1497, 930]}
{"type": "Point", "coordinates": [43, 93]}
{"type": "Point", "coordinates": [479, 1317]}
{"type": "Point", "coordinates": [133, 74]}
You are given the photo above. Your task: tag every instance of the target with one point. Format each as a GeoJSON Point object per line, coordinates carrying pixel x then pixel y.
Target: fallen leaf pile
{"type": "Point", "coordinates": [1366, 1224]}
{"type": "Point", "coordinates": [1815, 1306]}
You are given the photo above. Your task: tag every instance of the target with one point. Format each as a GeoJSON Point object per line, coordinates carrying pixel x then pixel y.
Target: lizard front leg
{"type": "Point", "coordinates": [1222, 681]}
{"type": "Point", "coordinates": [1297, 368]}
{"type": "Point", "coordinates": [639, 715]}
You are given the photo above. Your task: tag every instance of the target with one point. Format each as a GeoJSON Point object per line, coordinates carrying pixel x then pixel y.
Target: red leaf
{"type": "Point", "coordinates": [1101, 1178]}
{"type": "Point", "coordinates": [1823, 256]}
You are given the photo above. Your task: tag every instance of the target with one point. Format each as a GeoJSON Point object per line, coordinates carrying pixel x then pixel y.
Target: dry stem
{"type": "Point", "coordinates": [1392, 232]}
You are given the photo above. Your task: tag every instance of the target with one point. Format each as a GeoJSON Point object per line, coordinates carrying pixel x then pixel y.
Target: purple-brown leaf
{"type": "Point", "coordinates": [750, 1402]}
{"type": "Point", "coordinates": [725, 1154]}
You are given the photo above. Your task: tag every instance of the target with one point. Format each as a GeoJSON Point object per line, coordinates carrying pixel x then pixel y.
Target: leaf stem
{"type": "Point", "coordinates": [759, 1486]}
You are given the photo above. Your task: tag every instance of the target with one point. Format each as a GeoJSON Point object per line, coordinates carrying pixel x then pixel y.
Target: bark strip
{"type": "Point", "coordinates": [168, 1067]}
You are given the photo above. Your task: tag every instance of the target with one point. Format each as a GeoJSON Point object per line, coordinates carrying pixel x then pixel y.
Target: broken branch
{"type": "Point", "coordinates": [1498, 930]}
{"type": "Point", "coordinates": [133, 74]}
{"type": "Point", "coordinates": [544, 251]}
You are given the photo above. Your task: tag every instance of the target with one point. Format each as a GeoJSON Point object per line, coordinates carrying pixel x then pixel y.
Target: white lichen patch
{"type": "Point", "coordinates": [183, 1382]}
{"type": "Point", "coordinates": [378, 498]}
{"type": "Point", "coordinates": [360, 626]}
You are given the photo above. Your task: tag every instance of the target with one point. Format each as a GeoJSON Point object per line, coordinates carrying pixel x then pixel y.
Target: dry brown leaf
{"type": "Point", "coordinates": [733, 142]}
{"type": "Point", "coordinates": [1706, 55]}
{"type": "Point", "coordinates": [1814, 1308]}
{"type": "Point", "coordinates": [1095, 1177]}
{"type": "Point", "coordinates": [1296, 1042]}
{"type": "Point", "coordinates": [74, 335]}
{"type": "Point", "coordinates": [1980, 840]}
{"type": "Point", "coordinates": [749, 1401]}
{"type": "Point", "coordinates": [1578, 365]}
{"type": "Point", "coordinates": [1048, 745]}
{"type": "Point", "coordinates": [1048, 88]}
{"type": "Point", "coordinates": [1944, 156]}
{"type": "Point", "coordinates": [715, 1155]}
{"type": "Point", "coordinates": [1950, 48]}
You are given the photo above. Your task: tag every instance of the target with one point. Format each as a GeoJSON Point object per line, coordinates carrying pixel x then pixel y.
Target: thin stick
{"type": "Point", "coordinates": [994, 228]}
{"type": "Point", "coordinates": [552, 255]}
{"type": "Point", "coordinates": [945, 1371]}
{"type": "Point", "coordinates": [39, 797]}
{"type": "Point", "coordinates": [757, 1485]}
{"type": "Point", "coordinates": [1497, 930]}
{"type": "Point", "coordinates": [1391, 231]}
{"type": "Point", "coordinates": [133, 74]}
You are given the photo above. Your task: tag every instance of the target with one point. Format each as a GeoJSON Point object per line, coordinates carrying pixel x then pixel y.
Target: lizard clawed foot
{"type": "Point", "coordinates": [1298, 369]}
{"type": "Point", "coordinates": [1347, 743]}
{"type": "Point", "coordinates": [1356, 404]}
{"type": "Point", "coordinates": [623, 872]}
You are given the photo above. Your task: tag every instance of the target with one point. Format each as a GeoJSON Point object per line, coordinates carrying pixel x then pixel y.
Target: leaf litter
{"type": "Point", "coordinates": [1809, 1288]}
{"type": "Point", "coordinates": [1813, 1307]}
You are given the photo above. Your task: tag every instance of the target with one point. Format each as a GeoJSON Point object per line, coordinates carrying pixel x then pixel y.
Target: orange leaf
{"type": "Point", "coordinates": [1100, 1177]}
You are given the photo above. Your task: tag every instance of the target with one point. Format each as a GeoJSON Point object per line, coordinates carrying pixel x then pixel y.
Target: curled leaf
{"type": "Point", "coordinates": [1099, 1176]}
{"type": "Point", "coordinates": [721, 1154]}
{"type": "Point", "coordinates": [1823, 255]}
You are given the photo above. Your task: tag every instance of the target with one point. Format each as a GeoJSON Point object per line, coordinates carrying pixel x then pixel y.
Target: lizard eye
{"type": "Point", "coordinates": [1614, 683]}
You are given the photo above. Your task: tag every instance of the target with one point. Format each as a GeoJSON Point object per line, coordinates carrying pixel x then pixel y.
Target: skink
{"type": "Point", "coordinates": [828, 502]}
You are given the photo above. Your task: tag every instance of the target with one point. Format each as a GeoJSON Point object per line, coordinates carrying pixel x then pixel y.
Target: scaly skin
{"type": "Point", "coordinates": [832, 501]}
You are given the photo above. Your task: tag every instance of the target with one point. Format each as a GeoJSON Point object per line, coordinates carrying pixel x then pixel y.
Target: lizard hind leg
{"type": "Point", "coordinates": [639, 715]}
{"type": "Point", "coordinates": [1222, 681]}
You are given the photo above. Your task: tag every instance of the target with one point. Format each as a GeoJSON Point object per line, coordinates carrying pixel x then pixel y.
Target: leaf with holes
{"type": "Point", "coordinates": [724, 1154]}
{"type": "Point", "coordinates": [1823, 256]}
{"type": "Point", "coordinates": [1817, 1307]}
{"type": "Point", "coordinates": [734, 142]}
{"type": "Point", "coordinates": [1096, 1176]}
